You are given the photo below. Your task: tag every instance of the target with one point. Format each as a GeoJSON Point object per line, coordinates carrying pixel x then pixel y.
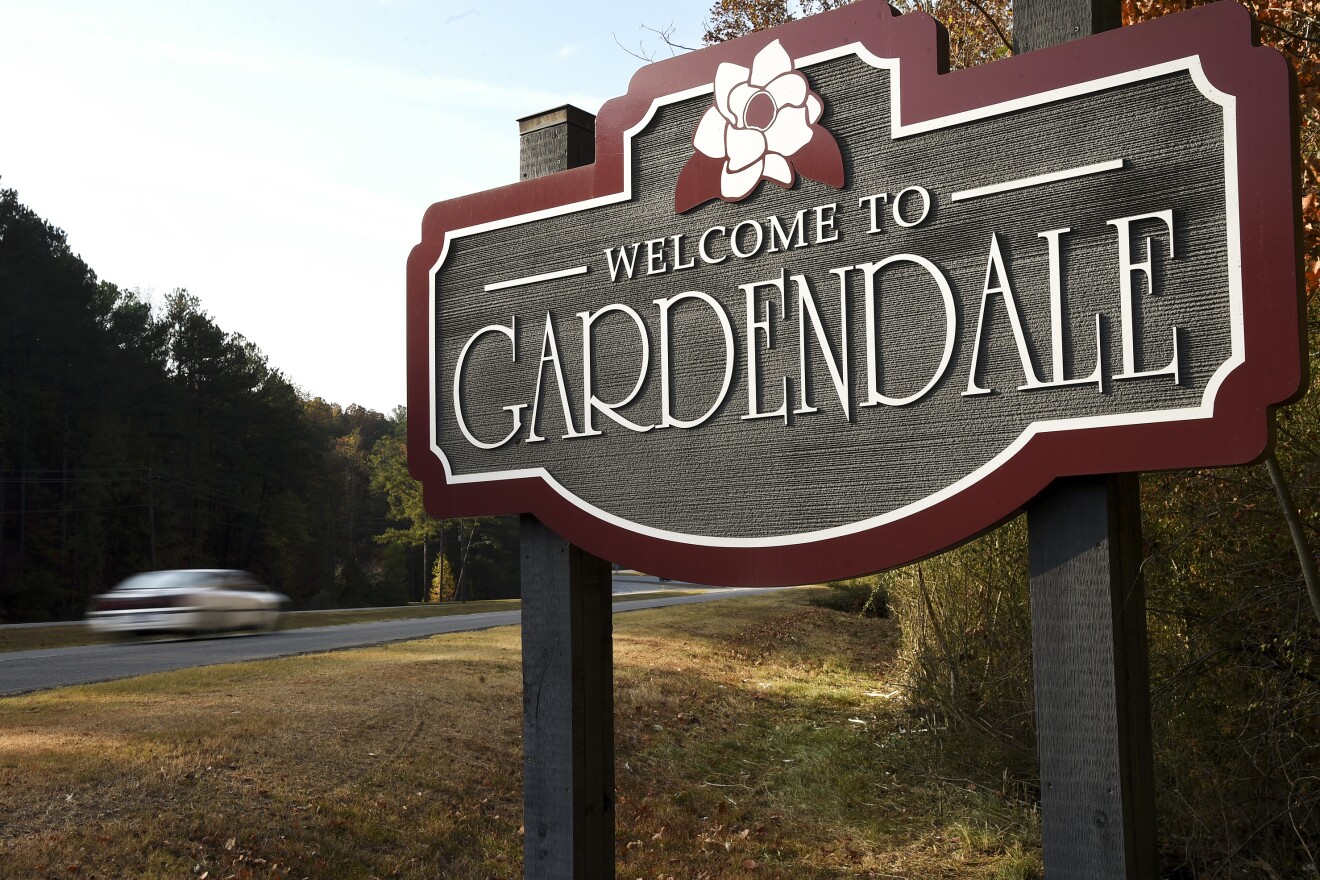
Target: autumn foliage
{"type": "Point", "coordinates": [1292, 27]}
{"type": "Point", "coordinates": [1234, 642]}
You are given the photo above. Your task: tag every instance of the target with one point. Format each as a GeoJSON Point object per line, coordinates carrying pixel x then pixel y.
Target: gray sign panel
{"type": "Point", "coordinates": [756, 358]}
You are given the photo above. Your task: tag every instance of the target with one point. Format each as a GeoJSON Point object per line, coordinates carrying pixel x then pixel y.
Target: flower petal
{"type": "Point", "coordinates": [770, 62]}
{"type": "Point", "coordinates": [745, 146]}
{"type": "Point", "coordinates": [790, 132]}
{"type": "Point", "coordinates": [777, 168]}
{"type": "Point", "coordinates": [726, 77]}
{"type": "Point", "coordinates": [709, 138]}
{"type": "Point", "coordinates": [738, 98]}
{"type": "Point", "coordinates": [738, 184]}
{"type": "Point", "coordinates": [814, 108]}
{"type": "Point", "coordinates": [788, 89]}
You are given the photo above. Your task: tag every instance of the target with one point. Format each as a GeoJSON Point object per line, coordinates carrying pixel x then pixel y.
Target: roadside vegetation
{"type": "Point", "coordinates": [1234, 639]}
{"type": "Point", "coordinates": [759, 737]}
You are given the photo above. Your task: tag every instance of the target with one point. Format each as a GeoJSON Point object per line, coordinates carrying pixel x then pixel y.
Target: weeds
{"type": "Point", "coordinates": [866, 596]}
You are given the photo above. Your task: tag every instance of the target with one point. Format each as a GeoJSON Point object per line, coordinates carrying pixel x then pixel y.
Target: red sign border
{"type": "Point", "coordinates": [1241, 430]}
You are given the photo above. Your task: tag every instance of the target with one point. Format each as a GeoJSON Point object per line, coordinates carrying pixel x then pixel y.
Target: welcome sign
{"type": "Point", "coordinates": [820, 308]}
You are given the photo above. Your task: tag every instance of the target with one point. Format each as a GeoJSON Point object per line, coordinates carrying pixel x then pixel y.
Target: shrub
{"type": "Point", "coordinates": [866, 596]}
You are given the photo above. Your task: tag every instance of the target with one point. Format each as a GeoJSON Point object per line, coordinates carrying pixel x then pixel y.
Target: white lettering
{"type": "Point", "coordinates": [759, 238]}
{"type": "Point", "coordinates": [1058, 373]}
{"type": "Point", "coordinates": [1126, 269]}
{"type": "Point", "coordinates": [995, 267]}
{"type": "Point", "coordinates": [794, 237]}
{"type": "Point", "coordinates": [678, 254]}
{"type": "Point", "coordinates": [764, 326]}
{"type": "Point", "coordinates": [874, 344]}
{"type": "Point", "coordinates": [826, 220]}
{"type": "Point", "coordinates": [873, 203]}
{"type": "Point", "coordinates": [622, 260]}
{"type": "Point", "coordinates": [925, 207]}
{"type": "Point", "coordinates": [837, 366]}
{"type": "Point", "coordinates": [511, 332]}
{"type": "Point", "coordinates": [668, 419]}
{"type": "Point", "coordinates": [590, 402]}
{"type": "Point", "coordinates": [655, 257]}
{"type": "Point", "coordinates": [550, 355]}
{"type": "Point", "coordinates": [706, 256]}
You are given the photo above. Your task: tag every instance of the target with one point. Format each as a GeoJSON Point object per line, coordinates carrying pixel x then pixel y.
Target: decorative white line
{"type": "Point", "coordinates": [535, 279]}
{"type": "Point", "coordinates": [1037, 180]}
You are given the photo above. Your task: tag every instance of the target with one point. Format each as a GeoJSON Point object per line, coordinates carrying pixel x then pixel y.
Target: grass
{"type": "Point", "coordinates": [70, 635]}
{"type": "Point", "coordinates": [758, 737]}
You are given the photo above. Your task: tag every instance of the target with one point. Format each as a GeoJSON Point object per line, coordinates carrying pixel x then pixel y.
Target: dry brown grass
{"type": "Point", "coordinates": [747, 747]}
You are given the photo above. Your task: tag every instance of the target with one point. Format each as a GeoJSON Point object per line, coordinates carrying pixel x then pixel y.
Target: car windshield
{"type": "Point", "coordinates": [156, 580]}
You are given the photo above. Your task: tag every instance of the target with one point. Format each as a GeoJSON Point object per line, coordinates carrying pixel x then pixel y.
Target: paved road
{"type": "Point", "coordinates": [624, 583]}
{"type": "Point", "coordinates": [646, 583]}
{"type": "Point", "coordinates": [24, 671]}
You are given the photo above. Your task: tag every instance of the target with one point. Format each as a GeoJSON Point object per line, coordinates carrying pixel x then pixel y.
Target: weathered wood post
{"type": "Point", "coordinates": [1092, 689]}
{"type": "Point", "coordinates": [567, 649]}
{"type": "Point", "coordinates": [1088, 621]}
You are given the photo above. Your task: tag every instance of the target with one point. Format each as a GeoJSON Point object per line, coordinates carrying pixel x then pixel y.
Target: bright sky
{"type": "Point", "coordinates": [276, 158]}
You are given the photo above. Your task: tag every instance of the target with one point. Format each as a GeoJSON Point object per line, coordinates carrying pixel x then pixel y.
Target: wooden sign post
{"type": "Point", "coordinates": [817, 307]}
{"type": "Point", "coordinates": [567, 629]}
{"type": "Point", "coordinates": [1088, 622]}
{"type": "Point", "coordinates": [1088, 642]}
{"type": "Point", "coordinates": [568, 709]}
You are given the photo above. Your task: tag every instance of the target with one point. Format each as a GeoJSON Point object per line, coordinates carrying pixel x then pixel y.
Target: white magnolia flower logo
{"type": "Point", "coordinates": [762, 126]}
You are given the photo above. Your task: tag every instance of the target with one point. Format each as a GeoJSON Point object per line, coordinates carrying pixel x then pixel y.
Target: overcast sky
{"type": "Point", "coordinates": [275, 159]}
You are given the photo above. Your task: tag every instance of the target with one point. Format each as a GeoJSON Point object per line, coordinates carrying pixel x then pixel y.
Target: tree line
{"type": "Point", "coordinates": [137, 436]}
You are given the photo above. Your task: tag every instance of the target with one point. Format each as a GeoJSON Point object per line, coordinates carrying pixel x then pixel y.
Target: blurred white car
{"type": "Point", "coordinates": [188, 601]}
